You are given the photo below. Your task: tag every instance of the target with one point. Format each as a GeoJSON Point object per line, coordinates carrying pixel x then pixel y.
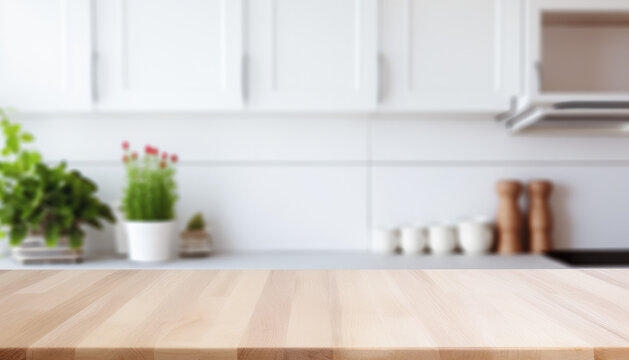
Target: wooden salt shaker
{"type": "Point", "coordinates": [509, 219]}
{"type": "Point", "coordinates": [540, 219]}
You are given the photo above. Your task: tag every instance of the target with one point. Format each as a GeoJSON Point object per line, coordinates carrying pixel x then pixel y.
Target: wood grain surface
{"type": "Point", "coordinates": [318, 314]}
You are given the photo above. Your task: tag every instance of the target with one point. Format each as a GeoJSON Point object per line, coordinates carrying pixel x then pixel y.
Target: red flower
{"type": "Point", "coordinates": [134, 155]}
{"type": "Point", "coordinates": [151, 150]}
{"type": "Point", "coordinates": [125, 158]}
{"type": "Point", "coordinates": [162, 164]}
{"type": "Point", "coordinates": [164, 155]}
{"type": "Point", "coordinates": [174, 158]}
{"type": "Point", "coordinates": [125, 145]}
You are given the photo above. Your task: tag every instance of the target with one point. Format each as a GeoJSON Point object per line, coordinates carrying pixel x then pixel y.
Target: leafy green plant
{"type": "Point", "coordinates": [151, 190]}
{"type": "Point", "coordinates": [196, 223]}
{"type": "Point", "coordinates": [36, 198]}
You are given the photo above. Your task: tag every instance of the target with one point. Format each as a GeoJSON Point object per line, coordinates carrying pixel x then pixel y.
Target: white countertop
{"type": "Point", "coordinates": [310, 260]}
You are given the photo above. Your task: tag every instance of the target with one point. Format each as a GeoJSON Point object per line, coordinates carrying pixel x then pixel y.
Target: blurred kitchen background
{"type": "Point", "coordinates": [307, 124]}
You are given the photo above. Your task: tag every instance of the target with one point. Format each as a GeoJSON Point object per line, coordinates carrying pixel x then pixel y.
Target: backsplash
{"type": "Point", "coordinates": [295, 182]}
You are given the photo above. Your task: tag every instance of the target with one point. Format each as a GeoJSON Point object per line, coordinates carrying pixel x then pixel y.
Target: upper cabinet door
{"type": "Point", "coordinates": [169, 55]}
{"type": "Point", "coordinates": [577, 47]}
{"type": "Point", "coordinates": [45, 55]}
{"type": "Point", "coordinates": [312, 55]}
{"type": "Point", "coordinates": [449, 55]}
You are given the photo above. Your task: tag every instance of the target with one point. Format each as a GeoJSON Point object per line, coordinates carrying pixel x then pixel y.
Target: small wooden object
{"type": "Point", "coordinates": [195, 243]}
{"type": "Point", "coordinates": [540, 218]}
{"type": "Point", "coordinates": [509, 220]}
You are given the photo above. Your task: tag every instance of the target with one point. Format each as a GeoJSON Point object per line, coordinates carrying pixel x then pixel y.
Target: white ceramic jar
{"type": "Point", "coordinates": [476, 235]}
{"type": "Point", "coordinates": [150, 240]}
{"type": "Point", "coordinates": [413, 240]}
{"type": "Point", "coordinates": [441, 239]}
{"type": "Point", "coordinates": [384, 240]}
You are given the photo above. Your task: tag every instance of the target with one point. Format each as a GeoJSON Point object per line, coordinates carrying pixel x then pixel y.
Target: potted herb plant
{"type": "Point", "coordinates": [195, 241]}
{"type": "Point", "coordinates": [44, 204]}
{"type": "Point", "coordinates": [149, 203]}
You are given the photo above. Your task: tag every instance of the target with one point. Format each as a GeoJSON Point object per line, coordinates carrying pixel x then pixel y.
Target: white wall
{"type": "Point", "coordinates": [320, 182]}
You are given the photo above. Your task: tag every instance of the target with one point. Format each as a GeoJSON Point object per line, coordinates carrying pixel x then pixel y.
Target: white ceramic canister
{"type": "Point", "coordinates": [150, 240]}
{"type": "Point", "coordinates": [413, 239]}
{"type": "Point", "coordinates": [384, 240]}
{"type": "Point", "coordinates": [476, 235]}
{"type": "Point", "coordinates": [441, 238]}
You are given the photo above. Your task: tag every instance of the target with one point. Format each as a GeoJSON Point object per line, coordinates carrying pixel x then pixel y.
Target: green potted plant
{"type": "Point", "coordinates": [195, 241]}
{"type": "Point", "coordinates": [44, 204]}
{"type": "Point", "coordinates": [149, 203]}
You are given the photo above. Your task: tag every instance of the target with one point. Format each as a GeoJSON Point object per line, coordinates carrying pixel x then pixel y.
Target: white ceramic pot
{"type": "Point", "coordinates": [413, 240]}
{"type": "Point", "coordinates": [441, 239]}
{"type": "Point", "coordinates": [384, 241]}
{"type": "Point", "coordinates": [150, 240]}
{"type": "Point", "coordinates": [476, 235]}
{"type": "Point", "coordinates": [120, 234]}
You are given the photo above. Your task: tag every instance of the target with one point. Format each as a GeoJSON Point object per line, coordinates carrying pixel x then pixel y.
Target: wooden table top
{"type": "Point", "coordinates": [315, 314]}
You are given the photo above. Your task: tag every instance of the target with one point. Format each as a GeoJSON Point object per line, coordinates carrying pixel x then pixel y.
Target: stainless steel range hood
{"type": "Point", "coordinates": [598, 114]}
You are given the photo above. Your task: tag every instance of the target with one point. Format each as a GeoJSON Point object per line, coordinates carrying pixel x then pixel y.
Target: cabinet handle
{"type": "Point", "coordinates": [538, 75]}
{"type": "Point", "coordinates": [379, 76]}
{"type": "Point", "coordinates": [244, 77]}
{"type": "Point", "coordinates": [94, 76]}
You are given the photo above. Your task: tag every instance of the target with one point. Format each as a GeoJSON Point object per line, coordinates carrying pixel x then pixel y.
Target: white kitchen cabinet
{"type": "Point", "coordinates": [312, 55]}
{"type": "Point", "coordinates": [577, 49]}
{"type": "Point", "coordinates": [449, 55]}
{"type": "Point", "coordinates": [45, 55]}
{"type": "Point", "coordinates": [169, 55]}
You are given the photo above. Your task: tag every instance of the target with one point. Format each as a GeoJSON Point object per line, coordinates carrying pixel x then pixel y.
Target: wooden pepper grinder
{"type": "Point", "coordinates": [540, 219]}
{"type": "Point", "coordinates": [509, 220]}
